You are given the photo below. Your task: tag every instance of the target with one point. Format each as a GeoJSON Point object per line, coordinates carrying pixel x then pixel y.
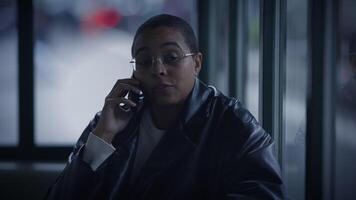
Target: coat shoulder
{"type": "Point", "coordinates": [238, 127]}
{"type": "Point", "coordinates": [233, 110]}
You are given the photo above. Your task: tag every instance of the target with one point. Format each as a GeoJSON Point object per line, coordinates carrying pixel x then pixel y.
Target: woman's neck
{"type": "Point", "coordinates": [165, 117]}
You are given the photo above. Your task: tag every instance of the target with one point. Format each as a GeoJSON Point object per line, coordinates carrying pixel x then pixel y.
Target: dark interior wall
{"type": "Point", "coordinates": [27, 180]}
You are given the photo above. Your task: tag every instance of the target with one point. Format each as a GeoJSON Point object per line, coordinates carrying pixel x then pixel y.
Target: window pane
{"type": "Point", "coordinates": [219, 60]}
{"type": "Point", "coordinates": [253, 62]}
{"type": "Point", "coordinates": [345, 162]}
{"type": "Point", "coordinates": [294, 124]}
{"type": "Point", "coordinates": [81, 49]}
{"type": "Point", "coordinates": [8, 74]}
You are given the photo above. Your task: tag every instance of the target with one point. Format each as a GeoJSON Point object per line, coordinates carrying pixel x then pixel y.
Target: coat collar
{"type": "Point", "coordinates": [196, 99]}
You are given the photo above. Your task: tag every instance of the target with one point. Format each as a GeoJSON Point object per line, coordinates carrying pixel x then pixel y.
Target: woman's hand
{"type": "Point", "coordinates": [116, 112]}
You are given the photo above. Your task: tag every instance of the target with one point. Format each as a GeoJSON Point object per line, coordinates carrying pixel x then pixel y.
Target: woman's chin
{"type": "Point", "coordinates": [165, 101]}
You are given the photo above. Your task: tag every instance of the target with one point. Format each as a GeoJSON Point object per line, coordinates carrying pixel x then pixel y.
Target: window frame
{"type": "Point", "coordinates": [320, 137]}
{"type": "Point", "coordinates": [26, 149]}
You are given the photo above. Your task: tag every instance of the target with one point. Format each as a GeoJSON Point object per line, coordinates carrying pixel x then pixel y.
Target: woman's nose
{"type": "Point", "coordinates": [158, 67]}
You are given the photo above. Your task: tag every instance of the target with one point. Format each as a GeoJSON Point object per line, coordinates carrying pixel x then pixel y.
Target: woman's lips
{"type": "Point", "coordinates": [162, 87]}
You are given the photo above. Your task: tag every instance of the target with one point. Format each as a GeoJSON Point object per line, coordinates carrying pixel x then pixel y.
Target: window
{"type": "Point", "coordinates": [217, 60]}
{"type": "Point", "coordinates": [8, 75]}
{"type": "Point", "coordinates": [295, 98]}
{"type": "Point", "coordinates": [253, 57]}
{"type": "Point", "coordinates": [345, 117]}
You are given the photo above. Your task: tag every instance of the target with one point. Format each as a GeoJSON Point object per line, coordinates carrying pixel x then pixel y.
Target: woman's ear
{"type": "Point", "coordinates": [198, 59]}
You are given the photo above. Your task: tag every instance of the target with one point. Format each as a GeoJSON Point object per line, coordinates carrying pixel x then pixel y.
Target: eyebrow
{"type": "Point", "coordinates": [170, 44]}
{"type": "Point", "coordinates": [141, 49]}
{"type": "Point", "coordinates": [161, 46]}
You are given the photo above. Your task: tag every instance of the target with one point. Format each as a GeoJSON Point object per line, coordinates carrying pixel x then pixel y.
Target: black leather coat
{"type": "Point", "coordinates": [217, 151]}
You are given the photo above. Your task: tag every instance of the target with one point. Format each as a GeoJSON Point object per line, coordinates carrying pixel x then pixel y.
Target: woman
{"type": "Point", "coordinates": [174, 137]}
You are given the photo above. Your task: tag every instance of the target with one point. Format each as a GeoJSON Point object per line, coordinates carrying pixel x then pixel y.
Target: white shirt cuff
{"type": "Point", "coordinates": [96, 151]}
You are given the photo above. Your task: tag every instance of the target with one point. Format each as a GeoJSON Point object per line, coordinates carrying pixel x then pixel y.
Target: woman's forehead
{"type": "Point", "coordinates": [158, 38]}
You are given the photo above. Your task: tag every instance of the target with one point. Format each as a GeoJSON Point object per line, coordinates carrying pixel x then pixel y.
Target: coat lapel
{"type": "Point", "coordinates": [119, 166]}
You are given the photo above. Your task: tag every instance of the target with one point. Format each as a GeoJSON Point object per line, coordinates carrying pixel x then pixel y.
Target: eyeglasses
{"type": "Point", "coordinates": [144, 63]}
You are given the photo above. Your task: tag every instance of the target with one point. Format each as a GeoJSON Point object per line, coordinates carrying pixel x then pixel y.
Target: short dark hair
{"type": "Point", "coordinates": [172, 22]}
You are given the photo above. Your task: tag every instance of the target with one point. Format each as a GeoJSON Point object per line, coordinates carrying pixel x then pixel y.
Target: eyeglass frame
{"type": "Point", "coordinates": [156, 58]}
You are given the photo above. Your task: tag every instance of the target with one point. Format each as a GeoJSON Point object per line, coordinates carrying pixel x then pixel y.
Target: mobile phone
{"type": "Point", "coordinates": [137, 98]}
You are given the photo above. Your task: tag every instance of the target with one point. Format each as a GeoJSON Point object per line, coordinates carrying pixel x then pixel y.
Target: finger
{"type": "Point", "coordinates": [129, 81]}
{"type": "Point", "coordinates": [120, 101]}
{"type": "Point", "coordinates": [122, 87]}
{"type": "Point", "coordinates": [132, 81]}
